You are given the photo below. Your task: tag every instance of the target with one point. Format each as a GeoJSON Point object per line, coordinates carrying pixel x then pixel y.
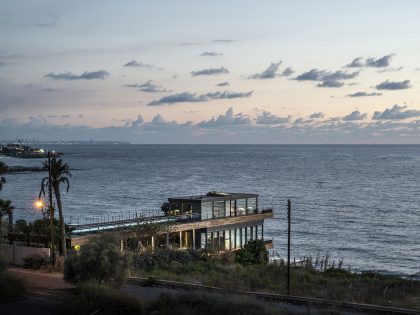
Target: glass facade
{"type": "Point", "coordinates": [219, 209]}
{"type": "Point", "coordinates": [240, 206]}
{"type": "Point", "coordinates": [251, 205]}
{"type": "Point", "coordinates": [206, 210]}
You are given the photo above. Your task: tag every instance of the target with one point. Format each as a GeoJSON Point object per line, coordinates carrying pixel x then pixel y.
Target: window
{"type": "Point", "coordinates": [248, 233]}
{"type": "Point", "coordinates": [260, 232]}
{"type": "Point", "coordinates": [232, 239]}
{"type": "Point", "coordinates": [251, 205]}
{"type": "Point", "coordinates": [232, 208]}
{"type": "Point", "coordinates": [227, 240]}
{"type": "Point", "coordinates": [203, 237]}
{"type": "Point", "coordinates": [206, 210]}
{"type": "Point", "coordinates": [243, 238]}
{"type": "Point", "coordinates": [241, 206]}
{"type": "Point", "coordinates": [238, 238]}
{"type": "Point", "coordinates": [227, 208]}
{"type": "Point", "coordinates": [219, 209]}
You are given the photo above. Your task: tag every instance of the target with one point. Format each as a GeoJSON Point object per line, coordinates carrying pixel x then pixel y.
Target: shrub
{"type": "Point", "coordinates": [254, 252]}
{"type": "Point", "coordinates": [35, 262]}
{"type": "Point", "coordinates": [100, 259]}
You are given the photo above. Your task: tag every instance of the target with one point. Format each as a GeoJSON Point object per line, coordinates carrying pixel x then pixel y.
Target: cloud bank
{"type": "Point", "coordinates": [68, 76]}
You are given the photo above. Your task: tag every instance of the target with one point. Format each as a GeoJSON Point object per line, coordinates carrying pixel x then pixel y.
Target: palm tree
{"type": "Point", "coordinates": [6, 208]}
{"type": "Point", "coordinates": [60, 173]}
{"type": "Point", "coordinates": [3, 169]}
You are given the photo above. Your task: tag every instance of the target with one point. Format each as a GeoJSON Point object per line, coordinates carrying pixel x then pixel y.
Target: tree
{"type": "Point", "coordinates": [60, 174]}
{"type": "Point", "coordinates": [3, 169]}
{"type": "Point", "coordinates": [253, 253]}
{"type": "Point", "coordinates": [100, 260]}
{"type": "Point", "coordinates": [6, 208]}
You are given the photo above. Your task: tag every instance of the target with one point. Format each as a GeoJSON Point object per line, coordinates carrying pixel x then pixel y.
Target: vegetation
{"type": "Point", "coordinates": [254, 252]}
{"type": "Point", "coordinates": [6, 208]}
{"type": "Point", "coordinates": [100, 260]}
{"type": "Point", "coordinates": [93, 298]}
{"type": "Point", "coordinates": [36, 262]}
{"type": "Point", "coordinates": [60, 174]}
{"type": "Point", "coordinates": [3, 169]}
{"type": "Point", "coordinates": [38, 231]}
{"type": "Point", "coordinates": [11, 287]}
{"type": "Point", "coordinates": [327, 282]}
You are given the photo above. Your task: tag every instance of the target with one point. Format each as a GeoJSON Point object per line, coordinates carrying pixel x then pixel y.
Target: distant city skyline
{"type": "Point", "coordinates": [211, 72]}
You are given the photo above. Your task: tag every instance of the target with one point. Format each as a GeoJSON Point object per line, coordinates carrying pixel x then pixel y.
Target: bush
{"type": "Point", "coordinates": [100, 260]}
{"type": "Point", "coordinates": [162, 257]}
{"type": "Point", "coordinates": [253, 253]}
{"type": "Point", "coordinates": [35, 262]}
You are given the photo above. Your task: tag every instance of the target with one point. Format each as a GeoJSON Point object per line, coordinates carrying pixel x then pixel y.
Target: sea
{"type": "Point", "coordinates": [358, 203]}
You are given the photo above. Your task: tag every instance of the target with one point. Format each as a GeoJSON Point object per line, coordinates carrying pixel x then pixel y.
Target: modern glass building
{"type": "Point", "coordinates": [216, 221]}
{"type": "Point", "coordinates": [223, 221]}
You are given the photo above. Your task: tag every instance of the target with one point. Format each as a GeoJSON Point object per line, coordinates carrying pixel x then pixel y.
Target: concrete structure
{"type": "Point", "coordinates": [217, 220]}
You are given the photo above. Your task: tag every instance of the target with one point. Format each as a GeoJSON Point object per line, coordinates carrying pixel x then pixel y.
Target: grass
{"type": "Point", "coordinates": [94, 298]}
{"type": "Point", "coordinates": [328, 283]}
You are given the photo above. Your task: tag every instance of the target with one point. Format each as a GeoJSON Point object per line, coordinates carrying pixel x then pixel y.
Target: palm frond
{"type": "Point", "coordinates": [65, 180]}
{"type": "Point", "coordinates": [44, 183]}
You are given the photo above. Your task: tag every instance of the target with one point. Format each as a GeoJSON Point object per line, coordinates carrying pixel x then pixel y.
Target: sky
{"type": "Point", "coordinates": [211, 71]}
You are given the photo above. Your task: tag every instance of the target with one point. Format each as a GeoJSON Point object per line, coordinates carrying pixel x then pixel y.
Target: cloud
{"type": "Point", "coordinates": [380, 62]}
{"type": "Point", "coordinates": [224, 40]}
{"type": "Point", "coordinates": [183, 97]}
{"type": "Point", "coordinates": [138, 122]}
{"type": "Point", "coordinates": [389, 85]}
{"type": "Point", "coordinates": [211, 54]}
{"type": "Point", "coordinates": [316, 115]}
{"type": "Point", "coordinates": [331, 83]}
{"type": "Point", "coordinates": [228, 95]}
{"type": "Point", "coordinates": [148, 87]}
{"type": "Point", "coordinates": [354, 116]}
{"type": "Point", "coordinates": [210, 71]}
{"type": "Point", "coordinates": [94, 75]}
{"type": "Point", "coordinates": [2, 63]}
{"type": "Point", "coordinates": [269, 73]}
{"type": "Point", "coordinates": [226, 128]}
{"type": "Point", "coordinates": [228, 119]}
{"type": "Point", "coordinates": [266, 118]}
{"type": "Point", "coordinates": [134, 63]}
{"type": "Point", "coordinates": [356, 63]}
{"type": "Point", "coordinates": [223, 83]}
{"type": "Point", "coordinates": [287, 72]}
{"type": "Point", "coordinates": [312, 75]}
{"type": "Point", "coordinates": [194, 98]}
{"type": "Point", "coordinates": [339, 75]}
{"type": "Point", "coordinates": [397, 112]}
{"type": "Point", "coordinates": [390, 69]}
{"type": "Point", "coordinates": [328, 78]}
{"type": "Point", "coordinates": [363, 94]}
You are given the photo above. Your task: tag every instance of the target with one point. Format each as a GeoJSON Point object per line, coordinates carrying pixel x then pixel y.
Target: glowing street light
{"type": "Point", "coordinates": [39, 204]}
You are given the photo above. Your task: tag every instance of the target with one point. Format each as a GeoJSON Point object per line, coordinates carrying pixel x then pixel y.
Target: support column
{"type": "Point", "coordinates": [153, 242]}
{"type": "Point", "coordinates": [180, 239]}
{"type": "Point", "coordinates": [193, 238]}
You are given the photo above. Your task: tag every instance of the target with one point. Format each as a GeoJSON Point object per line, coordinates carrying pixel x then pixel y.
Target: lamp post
{"type": "Point", "coordinates": [289, 208]}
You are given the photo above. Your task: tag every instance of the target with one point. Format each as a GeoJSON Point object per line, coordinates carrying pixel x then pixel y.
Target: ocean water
{"type": "Point", "coordinates": [358, 203]}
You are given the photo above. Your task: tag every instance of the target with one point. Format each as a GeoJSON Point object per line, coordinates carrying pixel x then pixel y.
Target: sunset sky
{"type": "Point", "coordinates": [211, 71]}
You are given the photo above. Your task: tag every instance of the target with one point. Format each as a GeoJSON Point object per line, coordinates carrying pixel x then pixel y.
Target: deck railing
{"type": "Point", "coordinates": [130, 221]}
